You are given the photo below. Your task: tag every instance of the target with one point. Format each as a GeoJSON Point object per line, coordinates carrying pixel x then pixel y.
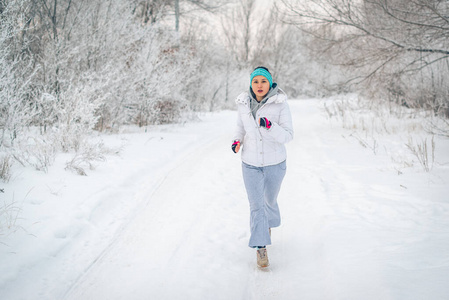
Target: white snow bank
{"type": "Point", "coordinates": [168, 219]}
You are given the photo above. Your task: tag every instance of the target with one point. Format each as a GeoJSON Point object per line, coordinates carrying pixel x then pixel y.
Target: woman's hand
{"type": "Point", "coordinates": [264, 122]}
{"type": "Point", "coordinates": [236, 146]}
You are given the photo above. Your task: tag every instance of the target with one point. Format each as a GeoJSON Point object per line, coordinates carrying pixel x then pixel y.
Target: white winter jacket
{"type": "Point", "coordinates": [261, 147]}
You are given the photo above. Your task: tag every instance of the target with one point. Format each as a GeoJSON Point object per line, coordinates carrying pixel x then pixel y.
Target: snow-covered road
{"type": "Point", "coordinates": [352, 227]}
{"type": "Point", "coordinates": [350, 231]}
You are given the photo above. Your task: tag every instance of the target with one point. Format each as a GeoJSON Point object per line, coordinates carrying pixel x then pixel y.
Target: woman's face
{"type": "Point", "coordinates": [260, 86]}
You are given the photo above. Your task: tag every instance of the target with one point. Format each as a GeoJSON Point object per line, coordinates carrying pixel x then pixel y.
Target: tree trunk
{"type": "Point", "coordinates": [177, 15]}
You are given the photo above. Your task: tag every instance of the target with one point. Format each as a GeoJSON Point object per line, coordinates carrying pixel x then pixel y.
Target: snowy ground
{"type": "Point", "coordinates": [168, 219]}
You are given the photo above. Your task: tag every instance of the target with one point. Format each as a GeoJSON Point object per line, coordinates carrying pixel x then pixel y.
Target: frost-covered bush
{"type": "Point", "coordinates": [372, 124]}
{"type": "Point", "coordinates": [35, 150]}
{"type": "Point", "coordinates": [159, 73]}
{"type": "Point", "coordinates": [15, 75]}
{"type": "Point", "coordinates": [5, 167]}
{"type": "Point", "coordinates": [423, 151]}
{"type": "Point", "coordinates": [139, 69]}
{"type": "Point", "coordinates": [76, 118]}
{"type": "Point", "coordinates": [9, 213]}
{"type": "Point", "coordinates": [85, 158]}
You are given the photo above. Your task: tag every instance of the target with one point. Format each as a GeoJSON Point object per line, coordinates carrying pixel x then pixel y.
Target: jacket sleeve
{"type": "Point", "coordinates": [239, 133]}
{"type": "Point", "coordinates": [282, 132]}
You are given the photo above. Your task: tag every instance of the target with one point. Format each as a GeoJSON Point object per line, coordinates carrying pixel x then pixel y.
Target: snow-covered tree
{"type": "Point", "coordinates": [392, 46]}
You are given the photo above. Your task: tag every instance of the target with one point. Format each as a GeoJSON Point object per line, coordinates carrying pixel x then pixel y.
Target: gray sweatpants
{"type": "Point", "coordinates": [262, 186]}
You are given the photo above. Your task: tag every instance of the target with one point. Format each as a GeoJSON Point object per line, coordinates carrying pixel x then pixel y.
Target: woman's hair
{"type": "Point", "coordinates": [262, 67]}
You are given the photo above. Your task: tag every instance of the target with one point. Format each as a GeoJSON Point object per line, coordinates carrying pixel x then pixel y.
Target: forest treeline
{"type": "Point", "coordinates": [68, 68]}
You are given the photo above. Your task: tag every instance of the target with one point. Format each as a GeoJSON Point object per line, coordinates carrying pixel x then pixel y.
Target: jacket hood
{"type": "Point", "coordinates": [275, 94]}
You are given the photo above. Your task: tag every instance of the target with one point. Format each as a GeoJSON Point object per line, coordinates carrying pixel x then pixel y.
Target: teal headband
{"type": "Point", "coordinates": [262, 72]}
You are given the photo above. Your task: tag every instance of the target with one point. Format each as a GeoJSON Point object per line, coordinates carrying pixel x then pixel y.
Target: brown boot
{"type": "Point", "coordinates": [262, 258]}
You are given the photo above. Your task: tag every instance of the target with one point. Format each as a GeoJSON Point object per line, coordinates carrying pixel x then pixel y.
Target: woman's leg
{"type": "Point", "coordinates": [254, 179]}
{"type": "Point", "coordinates": [272, 183]}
